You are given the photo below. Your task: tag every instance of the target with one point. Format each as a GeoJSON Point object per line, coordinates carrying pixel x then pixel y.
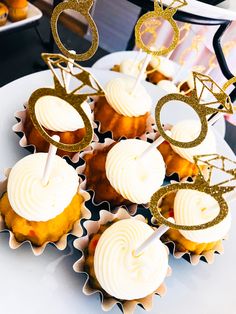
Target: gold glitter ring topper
{"type": "Point", "coordinates": [87, 86]}
{"type": "Point", "coordinates": [219, 101]}
{"type": "Point", "coordinates": [167, 15]}
{"type": "Point", "coordinates": [214, 162]}
{"type": "Point", "coordinates": [83, 7]}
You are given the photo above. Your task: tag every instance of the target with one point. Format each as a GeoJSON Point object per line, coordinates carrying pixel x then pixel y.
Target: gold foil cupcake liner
{"type": "Point", "coordinates": [107, 303]}
{"type": "Point", "coordinates": [61, 244]}
{"type": "Point", "coordinates": [149, 125]}
{"type": "Point", "coordinates": [96, 146]}
{"type": "Point", "coordinates": [19, 129]}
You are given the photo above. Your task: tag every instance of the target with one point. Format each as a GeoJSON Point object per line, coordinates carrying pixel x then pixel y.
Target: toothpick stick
{"type": "Point", "coordinates": [142, 71]}
{"type": "Point", "coordinates": [154, 145]}
{"type": "Point", "coordinates": [50, 158]}
{"type": "Point", "coordinates": [156, 235]}
{"type": "Point", "coordinates": [67, 76]}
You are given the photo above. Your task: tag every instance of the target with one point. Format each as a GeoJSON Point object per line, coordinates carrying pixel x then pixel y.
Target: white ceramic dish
{"type": "Point", "coordinates": [34, 14]}
{"type": "Point", "coordinates": [42, 285]}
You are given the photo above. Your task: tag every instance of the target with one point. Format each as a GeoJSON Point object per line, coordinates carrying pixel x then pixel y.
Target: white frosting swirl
{"type": "Point", "coordinates": [55, 114]}
{"type": "Point", "coordinates": [135, 179]}
{"type": "Point", "coordinates": [122, 274]}
{"type": "Point", "coordinates": [194, 208]}
{"type": "Point", "coordinates": [164, 66]}
{"type": "Point", "coordinates": [32, 200]}
{"type": "Point", "coordinates": [168, 86]}
{"type": "Point", "coordinates": [188, 130]}
{"type": "Point", "coordinates": [120, 98]}
{"type": "Point", "coordinates": [131, 67]}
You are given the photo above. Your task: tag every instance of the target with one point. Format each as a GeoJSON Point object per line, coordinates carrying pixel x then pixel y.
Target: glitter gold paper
{"type": "Point", "coordinates": [202, 185]}
{"type": "Point", "coordinates": [83, 7]}
{"type": "Point", "coordinates": [219, 102]}
{"type": "Point", "coordinates": [75, 97]}
{"type": "Point", "coordinates": [228, 83]}
{"type": "Point", "coordinates": [146, 21]}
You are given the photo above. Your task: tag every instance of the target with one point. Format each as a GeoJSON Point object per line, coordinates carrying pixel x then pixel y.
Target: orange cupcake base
{"type": "Point", "coordinates": [34, 137]}
{"type": "Point", "coordinates": [97, 181]}
{"type": "Point", "coordinates": [119, 125]}
{"type": "Point", "coordinates": [39, 233]}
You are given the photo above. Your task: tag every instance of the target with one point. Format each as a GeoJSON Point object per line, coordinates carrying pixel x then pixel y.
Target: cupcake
{"type": "Point", "coordinates": [191, 207]}
{"type": "Point", "coordinates": [41, 213]}
{"type": "Point", "coordinates": [3, 14]}
{"type": "Point", "coordinates": [57, 117]}
{"type": "Point", "coordinates": [130, 67]}
{"type": "Point", "coordinates": [18, 9]}
{"type": "Point", "coordinates": [116, 174]}
{"type": "Point", "coordinates": [112, 267]}
{"type": "Point", "coordinates": [160, 68]}
{"type": "Point", "coordinates": [123, 113]}
{"type": "Point", "coordinates": [180, 160]}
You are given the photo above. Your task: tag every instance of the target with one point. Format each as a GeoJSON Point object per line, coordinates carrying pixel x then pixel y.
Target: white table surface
{"type": "Point", "coordinates": [32, 285]}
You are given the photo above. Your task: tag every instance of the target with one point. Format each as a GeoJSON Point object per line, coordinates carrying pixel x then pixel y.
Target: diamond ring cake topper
{"type": "Point", "coordinates": [150, 21]}
{"type": "Point", "coordinates": [87, 86]}
{"type": "Point", "coordinates": [214, 162]}
{"type": "Point", "coordinates": [83, 7]}
{"type": "Point", "coordinates": [219, 101]}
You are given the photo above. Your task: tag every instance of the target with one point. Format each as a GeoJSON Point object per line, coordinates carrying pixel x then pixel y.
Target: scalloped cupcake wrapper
{"type": "Point", "coordinates": [132, 209]}
{"type": "Point", "coordinates": [194, 259]}
{"type": "Point", "coordinates": [107, 303]}
{"type": "Point", "coordinates": [61, 244]}
{"type": "Point", "coordinates": [18, 128]}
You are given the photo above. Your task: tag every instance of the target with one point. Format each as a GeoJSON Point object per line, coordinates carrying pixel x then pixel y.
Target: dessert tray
{"type": "Point", "coordinates": [50, 276]}
{"type": "Point", "coordinates": [33, 15]}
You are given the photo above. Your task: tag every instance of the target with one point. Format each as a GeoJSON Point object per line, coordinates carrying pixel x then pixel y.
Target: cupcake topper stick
{"type": "Point", "coordinates": [141, 73]}
{"type": "Point", "coordinates": [50, 158]}
{"type": "Point", "coordinates": [156, 235]}
{"type": "Point", "coordinates": [66, 74]}
{"type": "Point", "coordinates": [154, 145]}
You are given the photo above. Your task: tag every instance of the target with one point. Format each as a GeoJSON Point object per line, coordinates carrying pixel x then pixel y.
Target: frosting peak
{"type": "Point", "coordinates": [32, 200]}
{"type": "Point", "coordinates": [164, 65]}
{"type": "Point", "coordinates": [135, 179]}
{"type": "Point", "coordinates": [55, 114]}
{"type": "Point", "coordinates": [122, 274]}
{"type": "Point", "coordinates": [131, 67]}
{"type": "Point", "coordinates": [118, 95]}
{"type": "Point", "coordinates": [193, 208]}
{"type": "Point", "coordinates": [188, 130]}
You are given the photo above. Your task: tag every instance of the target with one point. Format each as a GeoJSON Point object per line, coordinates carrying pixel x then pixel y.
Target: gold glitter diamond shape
{"type": "Point", "coordinates": [87, 86]}
{"type": "Point", "coordinates": [219, 100]}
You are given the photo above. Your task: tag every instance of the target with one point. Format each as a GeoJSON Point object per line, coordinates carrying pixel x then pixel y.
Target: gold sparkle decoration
{"type": "Point", "coordinates": [149, 22]}
{"type": "Point", "coordinates": [87, 86]}
{"type": "Point", "coordinates": [219, 102]}
{"type": "Point", "coordinates": [228, 83]}
{"type": "Point", "coordinates": [83, 7]}
{"type": "Point", "coordinates": [213, 162]}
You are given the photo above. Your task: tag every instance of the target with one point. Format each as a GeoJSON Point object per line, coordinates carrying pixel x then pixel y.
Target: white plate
{"type": "Point", "coordinates": [32, 285]}
{"type": "Point", "coordinates": [34, 14]}
{"type": "Point", "coordinates": [108, 61]}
